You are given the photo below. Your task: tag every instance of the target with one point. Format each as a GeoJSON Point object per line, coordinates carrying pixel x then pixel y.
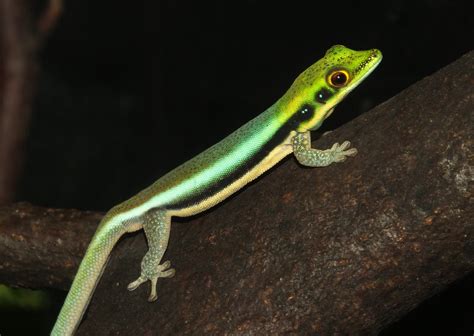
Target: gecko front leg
{"type": "Point", "coordinates": [157, 230]}
{"type": "Point", "coordinates": [311, 157]}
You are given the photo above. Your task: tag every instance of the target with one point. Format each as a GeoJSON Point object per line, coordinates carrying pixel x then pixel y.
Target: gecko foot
{"type": "Point", "coordinates": [340, 152]}
{"type": "Point", "coordinates": [152, 273]}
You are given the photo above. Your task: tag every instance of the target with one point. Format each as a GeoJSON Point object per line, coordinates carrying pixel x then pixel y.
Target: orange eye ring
{"type": "Point", "coordinates": [338, 78]}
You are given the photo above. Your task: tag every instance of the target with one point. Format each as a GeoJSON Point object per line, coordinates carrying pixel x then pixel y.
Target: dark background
{"type": "Point", "coordinates": [128, 90]}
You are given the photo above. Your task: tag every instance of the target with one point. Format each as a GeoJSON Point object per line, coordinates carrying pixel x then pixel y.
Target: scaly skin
{"type": "Point", "coordinates": [221, 170]}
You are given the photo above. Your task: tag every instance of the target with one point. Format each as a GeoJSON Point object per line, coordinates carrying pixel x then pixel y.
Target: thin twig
{"type": "Point", "coordinates": [18, 71]}
{"type": "Point", "coordinates": [50, 16]}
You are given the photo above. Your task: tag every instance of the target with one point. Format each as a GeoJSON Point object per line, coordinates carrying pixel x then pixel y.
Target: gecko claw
{"type": "Point", "coordinates": [342, 151]}
{"type": "Point", "coordinates": [169, 273]}
{"type": "Point", "coordinates": [153, 296]}
{"type": "Point", "coordinates": [134, 284]}
{"type": "Point", "coordinates": [152, 273]}
{"type": "Point", "coordinates": [165, 265]}
{"type": "Point", "coordinates": [166, 271]}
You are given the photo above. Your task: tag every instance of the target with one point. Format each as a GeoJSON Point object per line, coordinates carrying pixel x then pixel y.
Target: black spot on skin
{"type": "Point", "coordinates": [306, 112]}
{"type": "Point", "coordinates": [323, 95]}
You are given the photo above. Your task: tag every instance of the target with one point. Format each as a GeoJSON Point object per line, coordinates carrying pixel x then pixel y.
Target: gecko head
{"type": "Point", "coordinates": [315, 93]}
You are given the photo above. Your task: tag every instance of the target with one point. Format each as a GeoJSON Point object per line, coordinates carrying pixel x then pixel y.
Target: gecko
{"type": "Point", "coordinates": [221, 170]}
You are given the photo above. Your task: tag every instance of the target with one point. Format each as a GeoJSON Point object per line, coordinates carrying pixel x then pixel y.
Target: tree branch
{"type": "Point", "coordinates": [42, 247]}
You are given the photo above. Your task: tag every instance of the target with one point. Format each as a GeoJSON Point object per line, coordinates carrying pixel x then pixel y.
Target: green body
{"type": "Point", "coordinates": [221, 170]}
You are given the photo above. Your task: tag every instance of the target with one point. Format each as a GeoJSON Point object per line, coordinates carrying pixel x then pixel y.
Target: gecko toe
{"type": "Point", "coordinates": [165, 265]}
{"type": "Point", "coordinates": [168, 273]}
{"type": "Point", "coordinates": [134, 284]}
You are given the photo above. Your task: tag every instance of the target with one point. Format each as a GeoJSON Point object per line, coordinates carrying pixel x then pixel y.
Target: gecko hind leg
{"type": "Point", "coordinates": [157, 230]}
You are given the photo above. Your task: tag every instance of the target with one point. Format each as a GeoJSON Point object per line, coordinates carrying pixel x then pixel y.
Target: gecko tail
{"type": "Point", "coordinates": [88, 275]}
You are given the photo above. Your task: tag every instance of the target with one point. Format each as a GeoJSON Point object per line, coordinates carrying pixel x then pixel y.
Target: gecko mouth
{"type": "Point", "coordinates": [372, 62]}
{"type": "Point", "coordinates": [328, 113]}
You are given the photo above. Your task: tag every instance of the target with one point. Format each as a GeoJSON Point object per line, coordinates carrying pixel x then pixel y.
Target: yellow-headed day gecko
{"type": "Point", "coordinates": [220, 171]}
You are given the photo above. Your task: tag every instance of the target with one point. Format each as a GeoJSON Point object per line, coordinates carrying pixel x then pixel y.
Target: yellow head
{"type": "Point", "coordinates": [315, 93]}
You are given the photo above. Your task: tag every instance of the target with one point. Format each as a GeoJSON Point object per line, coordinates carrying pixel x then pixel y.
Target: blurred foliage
{"type": "Point", "coordinates": [11, 298]}
{"type": "Point", "coordinates": [26, 311]}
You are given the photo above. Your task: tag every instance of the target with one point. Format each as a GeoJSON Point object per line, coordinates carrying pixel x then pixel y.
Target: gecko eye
{"type": "Point", "coordinates": [323, 95]}
{"type": "Point", "coordinates": [338, 78]}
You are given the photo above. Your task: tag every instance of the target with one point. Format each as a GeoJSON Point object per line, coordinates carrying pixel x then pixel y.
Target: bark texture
{"type": "Point", "coordinates": [41, 248]}
{"type": "Point", "coordinates": [341, 250]}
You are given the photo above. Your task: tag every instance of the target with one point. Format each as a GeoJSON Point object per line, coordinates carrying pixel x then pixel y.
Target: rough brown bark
{"type": "Point", "coordinates": [346, 249]}
{"type": "Point", "coordinates": [41, 247]}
